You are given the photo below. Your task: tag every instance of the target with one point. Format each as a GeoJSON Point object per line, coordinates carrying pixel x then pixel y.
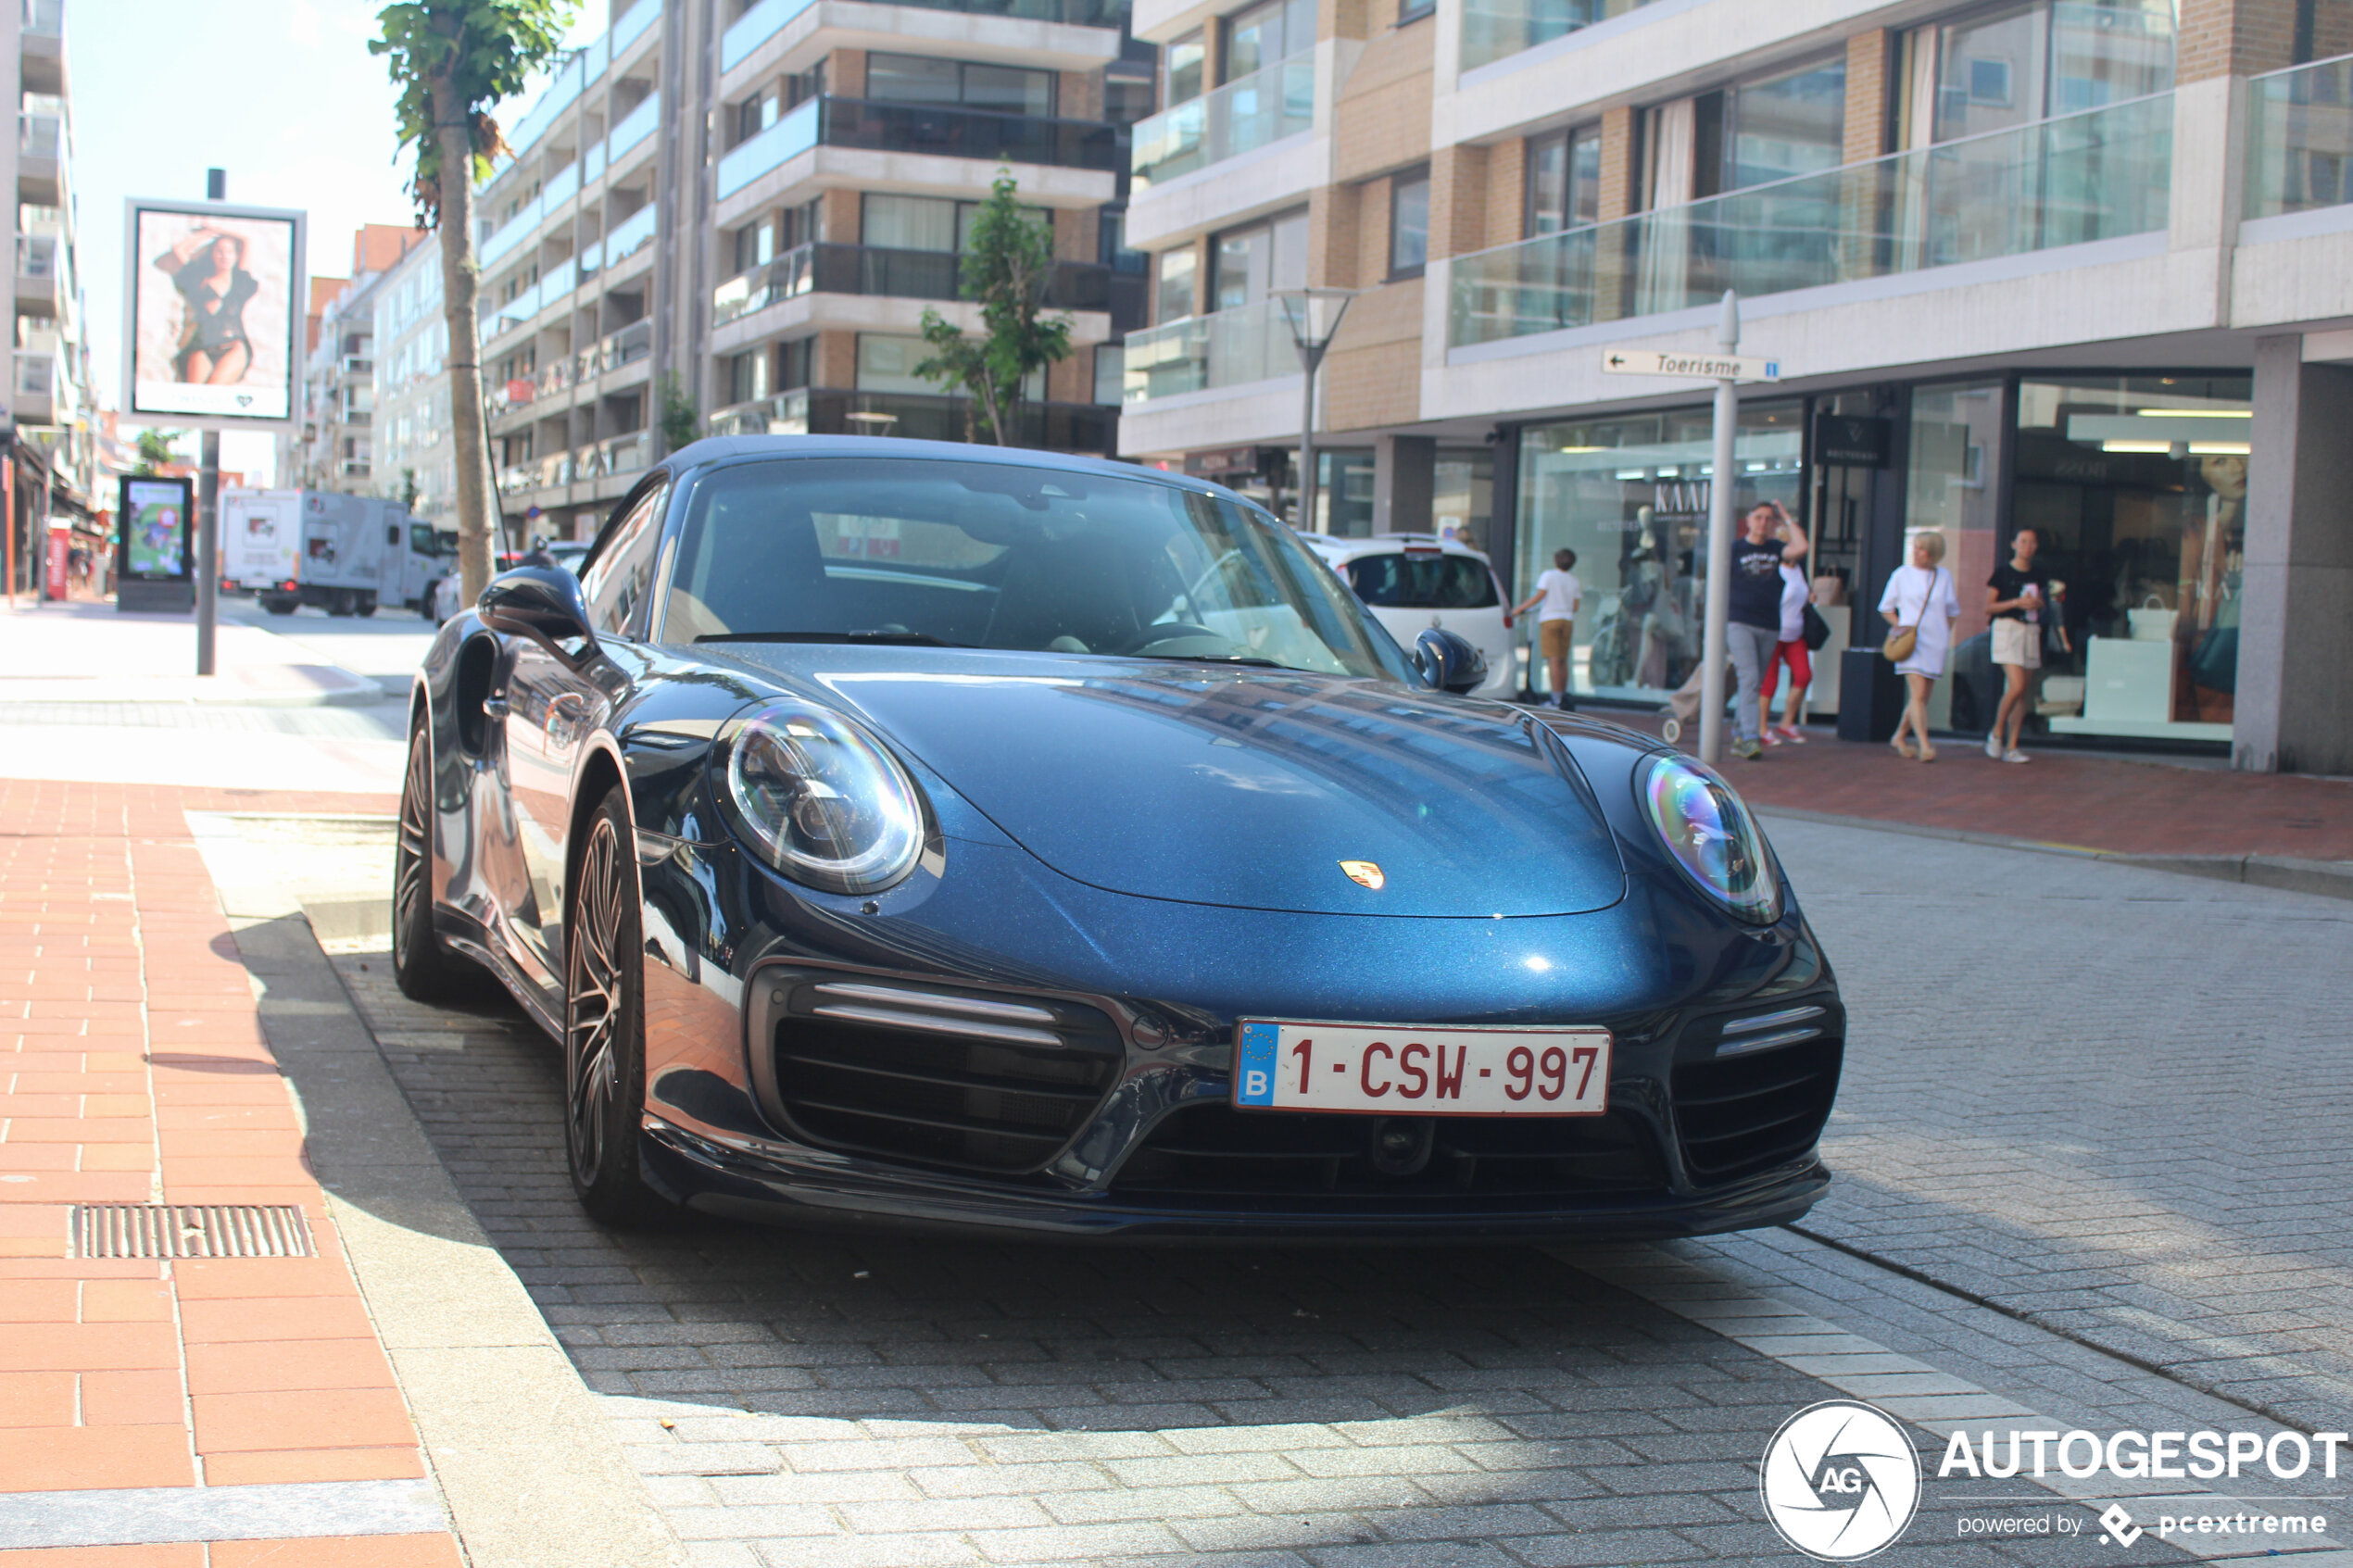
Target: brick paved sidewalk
{"type": "Point", "coordinates": [134, 1070]}
{"type": "Point", "coordinates": [2152, 808]}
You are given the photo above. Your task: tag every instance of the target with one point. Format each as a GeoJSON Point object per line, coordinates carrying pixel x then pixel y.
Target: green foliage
{"type": "Point", "coordinates": [155, 450]}
{"type": "Point", "coordinates": [454, 59]}
{"type": "Point", "coordinates": [1006, 264]}
{"type": "Point", "coordinates": [680, 422]}
{"type": "Point", "coordinates": [408, 491]}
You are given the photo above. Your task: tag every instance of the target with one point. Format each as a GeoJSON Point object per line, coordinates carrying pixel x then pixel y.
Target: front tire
{"type": "Point", "coordinates": [605, 1025]}
{"type": "Point", "coordinates": [421, 966]}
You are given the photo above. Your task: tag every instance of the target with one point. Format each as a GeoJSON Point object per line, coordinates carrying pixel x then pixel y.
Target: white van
{"type": "Point", "coordinates": [1415, 581]}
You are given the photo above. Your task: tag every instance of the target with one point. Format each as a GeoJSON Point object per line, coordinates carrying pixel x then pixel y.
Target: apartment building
{"type": "Point", "coordinates": [49, 395]}
{"type": "Point", "coordinates": [745, 209]}
{"type": "Point", "coordinates": [414, 454]}
{"type": "Point", "coordinates": [2084, 266]}
{"type": "Point", "coordinates": [335, 447]}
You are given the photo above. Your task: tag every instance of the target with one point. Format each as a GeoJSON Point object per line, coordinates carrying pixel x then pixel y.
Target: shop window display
{"type": "Point", "coordinates": [1630, 496]}
{"type": "Point", "coordinates": [2139, 485]}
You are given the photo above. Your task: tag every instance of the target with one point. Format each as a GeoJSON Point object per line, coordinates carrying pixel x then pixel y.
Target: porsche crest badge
{"type": "Point", "coordinates": [1364, 874]}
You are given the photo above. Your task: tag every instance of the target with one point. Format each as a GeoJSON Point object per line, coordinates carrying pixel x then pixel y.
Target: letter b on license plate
{"type": "Point", "coordinates": [1394, 1069]}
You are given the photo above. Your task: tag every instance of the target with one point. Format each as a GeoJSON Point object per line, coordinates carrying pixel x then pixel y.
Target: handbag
{"type": "Point", "coordinates": [1901, 641]}
{"type": "Point", "coordinates": [1818, 631]}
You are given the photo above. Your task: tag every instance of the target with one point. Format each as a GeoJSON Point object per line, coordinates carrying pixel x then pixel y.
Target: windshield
{"type": "Point", "coordinates": [983, 555]}
{"type": "Point", "coordinates": [1423, 582]}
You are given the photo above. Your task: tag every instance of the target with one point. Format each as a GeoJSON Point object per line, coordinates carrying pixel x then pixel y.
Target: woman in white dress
{"type": "Point", "coordinates": [1921, 595]}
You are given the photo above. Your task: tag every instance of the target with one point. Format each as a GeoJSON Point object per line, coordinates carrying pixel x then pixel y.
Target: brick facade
{"type": "Point", "coordinates": [1621, 172]}
{"type": "Point", "coordinates": [2237, 37]}
{"type": "Point", "coordinates": [1871, 95]}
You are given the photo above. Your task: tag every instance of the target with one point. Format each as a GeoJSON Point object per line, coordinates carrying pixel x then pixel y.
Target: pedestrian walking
{"type": "Point", "coordinates": [1792, 654]}
{"type": "Point", "coordinates": [1770, 539]}
{"type": "Point", "coordinates": [2018, 596]}
{"type": "Point", "coordinates": [1920, 601]}
{"type": "Point", "coordinates": [1560, 593]}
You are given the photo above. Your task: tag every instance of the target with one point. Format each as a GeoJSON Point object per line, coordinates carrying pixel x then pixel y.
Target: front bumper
{"type": "Point", "coordinates": [747, 1183]}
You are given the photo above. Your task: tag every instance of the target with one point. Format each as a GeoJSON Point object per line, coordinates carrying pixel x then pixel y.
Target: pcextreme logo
{"type": "Point", "coordinates": [1840, 1481]}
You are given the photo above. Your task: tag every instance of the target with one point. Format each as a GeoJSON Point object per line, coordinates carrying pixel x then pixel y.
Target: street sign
{"type": "Point", "coordinates": [1713, 367]}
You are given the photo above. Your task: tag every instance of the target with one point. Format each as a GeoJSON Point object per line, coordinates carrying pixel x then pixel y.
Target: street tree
{"type": "Point", "coordinates": [1005, 268]}
{"type": "Point", "coordinates": [454, 61]}
{"type": "Point", "coordinates": [681, 423]}
{"type": "Point", "coordinates": [155, 450]}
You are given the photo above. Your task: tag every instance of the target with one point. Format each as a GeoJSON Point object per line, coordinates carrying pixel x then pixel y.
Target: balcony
{"type": "Point", "coordinates": [628, 346]}
{"type": "Point", "coordinates": [915, 128]}
{"type": "Point", "coordinates": [352, 467]}
{"type": "Point", "coordinates": [633, 128]}
{"type": "Point", "coordinates": [2299, 144]}
{"type": "Point", "coordinates": [603, 459]}
{"type": "Point", "coordinates": [897, 274]}
{"type": "Point", "coordinates": [1493, 30]}
{"type": "Point", "coordinates": [766, 19]}
{"type": "Point", "coordinates": [38, 374]}
{"type": "Point", "coordinates": [1251, 343]}
{"type": "Point", "coordinates": [358, 365]}
{"type": "Point", "coordinates": [2099, 175]}
{"type": "Point", "coordinates": [573, 77]}
{"type": "Point", "coordinates": [1242, 117]}
{"type": "Point", "coordinates": [45, 17]}
{"type": "Point", "coordinates": [630, 236]}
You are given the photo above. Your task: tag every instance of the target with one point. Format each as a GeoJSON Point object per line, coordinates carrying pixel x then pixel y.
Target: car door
{"type": "Point", "coordinates": [553, 708]}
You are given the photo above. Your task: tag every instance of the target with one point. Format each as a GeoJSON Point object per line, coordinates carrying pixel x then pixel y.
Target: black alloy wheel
{"type": "Point", "coordinates": [424, 970]}
{"type": "Point", "coordinates": [604, 1025]}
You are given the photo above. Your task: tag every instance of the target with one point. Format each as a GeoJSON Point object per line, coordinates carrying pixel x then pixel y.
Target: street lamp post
{"type": "Point", "coordinates": [1313, 315]}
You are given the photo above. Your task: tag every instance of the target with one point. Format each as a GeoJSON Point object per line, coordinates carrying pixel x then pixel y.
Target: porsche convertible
{"type": "Point", "coordinates": [894, 833]}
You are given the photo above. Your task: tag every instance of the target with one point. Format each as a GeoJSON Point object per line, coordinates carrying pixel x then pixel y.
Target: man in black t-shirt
{"type": "Point", "coordinates": [2018, 596]}
{"type": "Point", "coordinates": [1769, 539]}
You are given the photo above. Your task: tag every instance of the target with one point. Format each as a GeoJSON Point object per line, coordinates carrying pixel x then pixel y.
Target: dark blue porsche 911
{"type": "Point", "coordinates": [897, 832]}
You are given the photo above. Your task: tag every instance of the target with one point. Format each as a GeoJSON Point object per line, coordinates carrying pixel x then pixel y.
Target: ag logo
{"type": "Point", "coordinates": [1840, 1481]}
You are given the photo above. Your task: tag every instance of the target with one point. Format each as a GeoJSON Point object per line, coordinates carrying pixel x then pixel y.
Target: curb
{"type": "Point", "coordinates": [2324, 879]}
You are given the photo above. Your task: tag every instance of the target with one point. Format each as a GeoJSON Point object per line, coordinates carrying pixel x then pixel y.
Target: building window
{"type": "Point", "coordinates": [1409, 224]}
{"type": "Point", "coordinates": [1174, 298]}
{"type": "Point", "coordinates": [1563, 180]}
{"type": "Point", "coordinates": [933, 224]}
{"type": "Point", "coordinates": [919, 79]}
{"type": "Point", "coordinates": [755, 115]}
{"type": "Point", "coordinates": [755, 245]}
{"type": "Point", "coordinates": [747, 376]}
{"type": "Point", "coordinates": [2017, 63]}
{"type": "Point", "coordinates": [1265, 33]}
{"type": "Point", "coordinates": [888, 364]}
{"type": "Point", "coordinates": [1250, 264]}
{"type": "Point", "coordinates": [793, 360]}
{"type": "Point", "coordinates": [1183, 66]}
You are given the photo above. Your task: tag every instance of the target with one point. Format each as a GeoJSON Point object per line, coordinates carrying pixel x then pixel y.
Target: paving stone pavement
{"type": "Point", "coordinates": [2109, 1100]}
{"type": "Point", "coordinates": [804, 1398]}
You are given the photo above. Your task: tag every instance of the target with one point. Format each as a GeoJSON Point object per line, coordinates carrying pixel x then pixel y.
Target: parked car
{"type": "Point", "coordinates": [898, 831]}
{"type": "Point", "coordinates": [1414, 583]}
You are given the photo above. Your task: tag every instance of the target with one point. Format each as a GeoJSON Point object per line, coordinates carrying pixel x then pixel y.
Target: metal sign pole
{"type": "Point", "coordinates": [1715, 644]}
{"type": "Point", "coordinates": [209, 504]}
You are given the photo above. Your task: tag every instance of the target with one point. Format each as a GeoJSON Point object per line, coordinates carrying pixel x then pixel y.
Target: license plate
{"type": "Point", "coordinates": [1393, 1070]}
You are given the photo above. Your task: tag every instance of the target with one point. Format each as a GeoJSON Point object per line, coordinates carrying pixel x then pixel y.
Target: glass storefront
{"type": "Point", "coordinates": [2137, 485]}
{"type": "Point", "coordinates": [1630, 496]}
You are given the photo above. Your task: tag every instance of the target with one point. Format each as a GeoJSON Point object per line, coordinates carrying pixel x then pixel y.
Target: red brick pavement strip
{"type": "Point", "coordinates": [2118, 807]}
{"type": "Point", "coordinates": [132, 1069]}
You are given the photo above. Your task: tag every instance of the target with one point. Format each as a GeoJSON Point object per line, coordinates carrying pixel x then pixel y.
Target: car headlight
{"type": "Point", "coordinates": [820, 798]}
{"type": "Point", "coordinates": [1712, 837]}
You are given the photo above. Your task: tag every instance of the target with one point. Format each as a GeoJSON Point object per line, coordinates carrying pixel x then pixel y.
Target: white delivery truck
{"type": "Point", "coordinates": [354, 553]}
{"type": "Point", "coordinates": [261, 536]}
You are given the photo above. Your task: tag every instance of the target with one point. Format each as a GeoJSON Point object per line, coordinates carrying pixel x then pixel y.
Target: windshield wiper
{"type": "Point", "coordinates": [893, 639]}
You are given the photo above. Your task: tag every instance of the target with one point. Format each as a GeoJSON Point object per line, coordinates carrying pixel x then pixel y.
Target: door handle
{"type": "Point", "coordinates": [497, 707]}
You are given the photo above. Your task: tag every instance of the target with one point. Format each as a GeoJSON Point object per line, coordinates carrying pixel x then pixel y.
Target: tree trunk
{"type": "Point", "coordinates": [477, 489]}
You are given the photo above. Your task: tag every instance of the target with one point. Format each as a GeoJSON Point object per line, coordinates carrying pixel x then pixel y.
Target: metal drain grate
{"type": "Point", "coordinates": [191, 1229]}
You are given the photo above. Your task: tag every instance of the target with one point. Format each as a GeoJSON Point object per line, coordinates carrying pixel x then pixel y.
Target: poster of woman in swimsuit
{"type": "Point", "coordinates": [212, 330]}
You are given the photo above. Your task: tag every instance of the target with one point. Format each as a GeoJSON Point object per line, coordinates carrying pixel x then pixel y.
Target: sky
{"type": "Point", "coordinates": [280, 93]}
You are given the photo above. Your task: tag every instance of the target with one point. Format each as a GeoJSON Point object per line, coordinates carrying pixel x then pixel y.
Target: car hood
{"type": "Point", "coordinates": [1244, 787]}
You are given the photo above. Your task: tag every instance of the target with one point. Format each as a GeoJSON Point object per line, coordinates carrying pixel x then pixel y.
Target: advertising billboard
{"type": "Point", "coordinates": [212, 295]}
{"type": "Point", "coordinates": [158, 524]}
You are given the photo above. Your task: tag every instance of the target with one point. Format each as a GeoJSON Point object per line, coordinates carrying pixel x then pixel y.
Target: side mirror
{"type": "Point", "coordinates": [543, 603]}
{"type": "Point", "coordinates": [1449, 661]}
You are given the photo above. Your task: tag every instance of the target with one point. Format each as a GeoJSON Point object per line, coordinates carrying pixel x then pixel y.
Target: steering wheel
{"type": "Point", "coordinates": [1161, 635]}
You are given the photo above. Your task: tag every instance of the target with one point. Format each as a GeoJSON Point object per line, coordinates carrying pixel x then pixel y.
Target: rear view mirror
{"type": "Point", "coordinates": [1449, 661]}
{"type": "Point", "coordinates": [543, 603]}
